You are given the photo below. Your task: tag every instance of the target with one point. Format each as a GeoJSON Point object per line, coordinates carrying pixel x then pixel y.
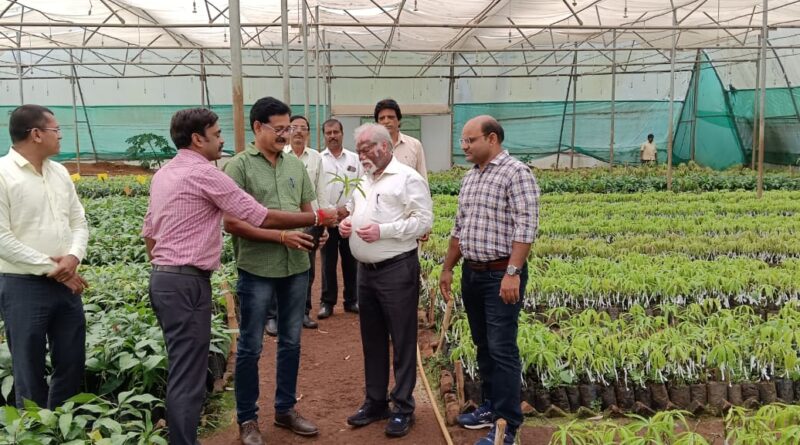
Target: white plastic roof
{"type": "Point", "coordinates": [482, 33]}
{"type": "Point", "coordinates": [580, 13]}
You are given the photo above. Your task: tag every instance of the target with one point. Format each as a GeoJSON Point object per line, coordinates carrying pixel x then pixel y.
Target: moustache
{"type": "Point", "coordinates": [280, 140]}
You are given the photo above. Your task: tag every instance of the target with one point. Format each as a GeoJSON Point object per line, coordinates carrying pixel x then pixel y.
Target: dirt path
{"type": "Point", "coordinates": [330, 387]}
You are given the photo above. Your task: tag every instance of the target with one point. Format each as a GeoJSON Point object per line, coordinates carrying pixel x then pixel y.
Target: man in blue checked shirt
{"type": "Point", "coordinates": [496, 222]}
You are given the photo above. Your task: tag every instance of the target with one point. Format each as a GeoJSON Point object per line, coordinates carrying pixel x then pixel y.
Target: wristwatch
{"type": "Point", "coordinates": [513, 270]}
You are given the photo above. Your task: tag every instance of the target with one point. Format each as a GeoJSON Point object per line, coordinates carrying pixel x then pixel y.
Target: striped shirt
{"type": "Point", "coordinates": [187, 199]}
{"type": "Point", "coordinates": [496, 207]}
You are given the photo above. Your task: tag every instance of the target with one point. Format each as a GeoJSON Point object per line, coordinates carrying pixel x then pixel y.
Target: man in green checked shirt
{"type": "Point", "coordinates": [272, 265]}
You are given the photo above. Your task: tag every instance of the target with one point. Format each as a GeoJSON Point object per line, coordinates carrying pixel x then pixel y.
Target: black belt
{"type": "Point", "coordinates": [495, 265]}
{"type": "Point", "coordinates": [25, 276]}
{"type": "Point", "coordinates": [392, 260]}
{"type": "Point", "coordinates": [183, 270]}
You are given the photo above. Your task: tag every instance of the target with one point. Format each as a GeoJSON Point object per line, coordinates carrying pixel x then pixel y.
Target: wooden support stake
{"type": "Point", "coordinates": [500, 432]}
{"type": "Point", "coordinates": [460, 384]}
{"type": "Point", "coordinates": [434, 403]}
{"type": "Point", "coordinates": [432, 307]}
{"type": "Point", "coordinates": [445, 325]}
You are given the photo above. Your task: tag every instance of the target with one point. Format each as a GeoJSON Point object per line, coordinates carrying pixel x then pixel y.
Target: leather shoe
{"type": "Point", "coordinates": [351, 308]}
{"type": "Point", "coordinates": [249, 433]}
{"type": "Point", "coordinates": [399, 424]}
{"type": "Point", "coordinates": [368, 414]}
{"type": "Point", "coordinates": [325, 311]}
{"type": "Point", "coordinates": [272, 327]}
{"type": "Point", "coordinates": [298, 424]}
{"type": "Point", "coordinates": [308, 323]}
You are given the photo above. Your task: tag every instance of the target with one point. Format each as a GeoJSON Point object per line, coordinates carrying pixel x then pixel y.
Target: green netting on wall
{"type": "Point", "coordinates": [112, 125]}
{"type": "Point", "coordinates": [534, 129]}
{"type": "Point", "coordinates": [716, 140]}
{"type": "Point", "coordinates": [782, 123]}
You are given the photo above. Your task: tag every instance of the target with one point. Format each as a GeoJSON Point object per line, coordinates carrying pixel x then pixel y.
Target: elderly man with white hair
{"type": "Point", "coordinates": [384, 225]}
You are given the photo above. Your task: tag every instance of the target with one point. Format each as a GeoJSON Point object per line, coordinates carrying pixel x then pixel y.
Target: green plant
{"type": "Point", "coordinates": [349, 185]}
{"type": "Point", "coordinates": [148, 148]}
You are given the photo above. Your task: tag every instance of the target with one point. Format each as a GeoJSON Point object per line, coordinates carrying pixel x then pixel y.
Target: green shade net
{"type": "Point", "coordinates": [781, 121]}
{"type": "Point", "coordinates": [717, 143]}
{"type": "Point", "coordinates": [538, 129]}
{"type": "Point", "coordinates": [112, 125]}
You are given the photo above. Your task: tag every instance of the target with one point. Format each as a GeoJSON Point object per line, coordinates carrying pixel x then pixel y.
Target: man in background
{"type": "Point", "coordinates": [405, 148]}
{"type": "Point", "coordinates": [647, 152]}
{"type": "Point", "coordinates": [338, 162]}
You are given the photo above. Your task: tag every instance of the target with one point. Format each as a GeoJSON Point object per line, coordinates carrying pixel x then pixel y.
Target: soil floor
{"type": "Point", "coordinates": [330, 387]}
{"type": "Point", "coordinates": [112, 168]}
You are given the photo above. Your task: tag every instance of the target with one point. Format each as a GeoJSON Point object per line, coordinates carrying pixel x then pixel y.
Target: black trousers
{"type": "Point", "coordinates": [336, 246]}
{"type": "Point", "coordinates": [182, 304]}
{"type": "Point", "coordinates": [387, 300]}
{"type": "Point", "coordinates": [39, 312]}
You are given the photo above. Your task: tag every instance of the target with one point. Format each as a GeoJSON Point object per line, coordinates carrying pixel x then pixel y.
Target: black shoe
{"type": "Point", "coordinates": [351, 308]}
{"type": "Point", "coordinates": [308, 323]}
{"type": "Point", "coordinates": [325, 311]}
{"type": "Point", "coordinates": [368, 414]}
{"type": "Point", "coordinates": [399, 424]}
{"type": "Point", "coordinates": [272, 327]}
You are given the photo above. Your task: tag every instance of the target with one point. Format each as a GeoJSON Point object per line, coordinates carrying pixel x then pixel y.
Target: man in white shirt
{"type": "Point", "coordinates": [298, 146]}
{"type": "Point", "coordinates": [647, 152]}
{"type": "Point", "coordinates": [337, 162]}
{"type": "Point", "coordinates": [386, 221]}
{"type": "Point", "coordinates": [405, 148]}
{"type": "Point", "coordinates": [43, 238]}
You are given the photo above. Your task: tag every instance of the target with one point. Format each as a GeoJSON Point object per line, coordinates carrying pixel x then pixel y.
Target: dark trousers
{"type": "Point", "coordinates": [336, 246]}
{"type": "Point", "coordinates": [39, 312]}
{"type": "Point", "coordinates": [387, 300]}
{"type": "Point", "coordinates": [182, 304]}
{"type": "Point", "coordinates": [272, 310]}
{"type": "Point", "coordinates": [493, 325]}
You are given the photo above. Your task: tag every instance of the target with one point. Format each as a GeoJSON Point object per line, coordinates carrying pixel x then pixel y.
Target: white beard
{"type": "Point", "coordinates": [369, 167]}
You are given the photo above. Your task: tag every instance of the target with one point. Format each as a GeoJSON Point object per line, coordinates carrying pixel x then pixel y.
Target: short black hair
{"type": "Point", "coordinates": [490, 126]}
{"type": "Point", "coordinates": [265, 108]}
{"type": "Point", "coordinates": [300, 116]}
{"type": "Point", "coordinates": [390, 104]}
{"type": "Point", "coordinates": [24, 118]}
{"type": "Point", "coordinates": [330, 122]}
{"type": "Point", "coordinates": [650, 136]}
{"type": "Point", "coordinates": [187, 122]}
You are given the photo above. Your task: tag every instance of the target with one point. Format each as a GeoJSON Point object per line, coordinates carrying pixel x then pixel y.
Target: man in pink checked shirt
{"type": "Point", "coordinates": [182, 232]}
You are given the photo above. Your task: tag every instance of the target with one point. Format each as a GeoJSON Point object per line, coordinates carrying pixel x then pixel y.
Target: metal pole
{"type": "Point", "coordinates": [763, 93]}
{"type": "Point", "coordinates": [564, 112]}
{"type": "Point", "coordinates": [236, 75]}
{"type": "Point", "coordinates": [670, 129]}
{"type": "Point", "coordinates": [19, 68]}
{"type": "Point", "coordinates": [305, 59]}
{"type": "Point", "coordinates": [613, 98]}
{"type": "Point", "coordinates": [202, 79]}
{"type": "Point", "coordinates": [574, 121]}
{"type": "Point", "coordinates": [316, 75]}
{"type": "Point", "coordinates": [72, 81]}
{"type": "Point", "coordinates": [329, 82]}
{"type": "Point", "coordinates": [755, 109]}
{"type": "Point", "coordinates": [695, 91]}
{"type": "Point", "coordinates": [285, 38]}
{"type": "Point", "coordinates": [451, 99]}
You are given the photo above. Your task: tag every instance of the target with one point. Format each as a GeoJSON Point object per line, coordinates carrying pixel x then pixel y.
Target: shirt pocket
{"type": "Point", "coordinates": [387, 207]}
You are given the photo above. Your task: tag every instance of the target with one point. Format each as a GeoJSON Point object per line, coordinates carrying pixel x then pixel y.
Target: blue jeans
{"type": "Point", "coordinates": [255, 295]}
{"type": "Point", "coordinates": [493, 324]}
